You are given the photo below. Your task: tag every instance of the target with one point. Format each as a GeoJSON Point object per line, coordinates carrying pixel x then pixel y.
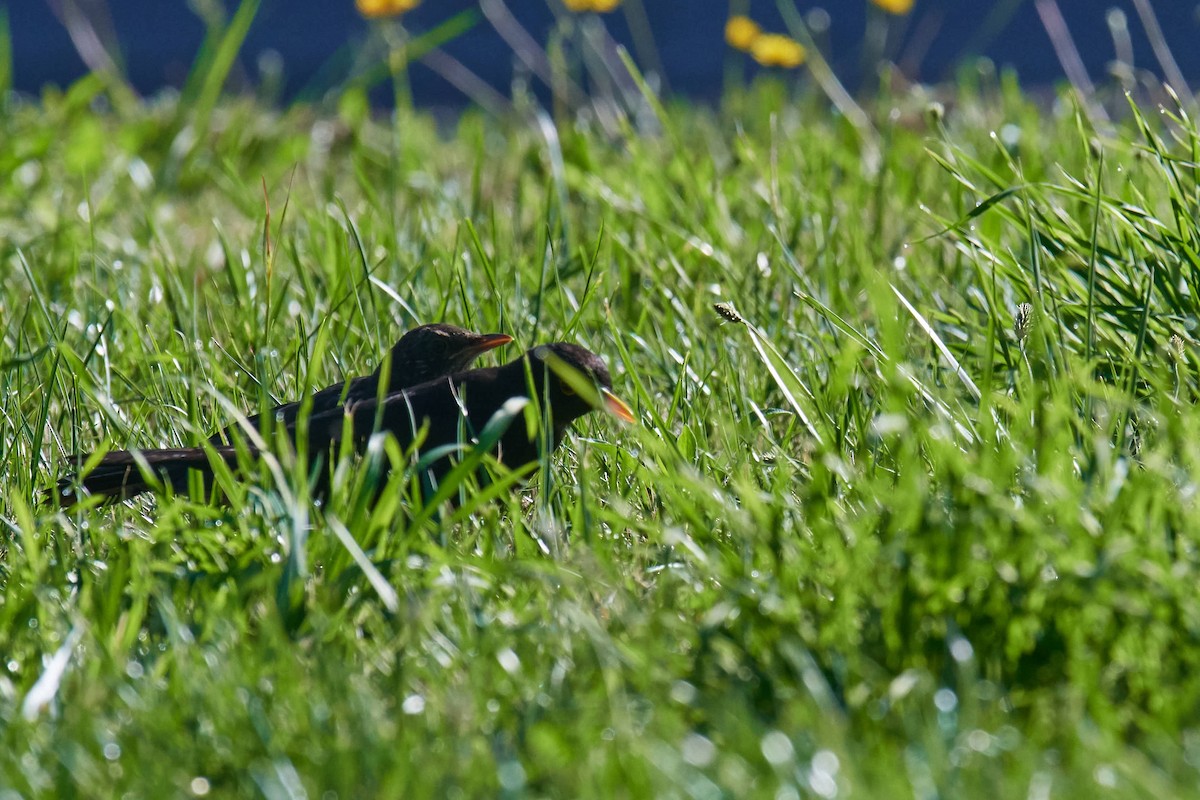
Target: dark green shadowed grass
{"type": "Point", "coordinates": [928, 528]}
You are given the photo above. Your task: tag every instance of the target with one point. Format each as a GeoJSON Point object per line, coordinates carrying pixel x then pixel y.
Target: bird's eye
{"type": "Point", "coordinates": [569, 390]}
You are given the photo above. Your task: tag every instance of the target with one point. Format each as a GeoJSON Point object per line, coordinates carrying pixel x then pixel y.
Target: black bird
{"type": "Point", "coordinates": [422, 354]}
{"type": "Point", "coordinates": [568, 380]}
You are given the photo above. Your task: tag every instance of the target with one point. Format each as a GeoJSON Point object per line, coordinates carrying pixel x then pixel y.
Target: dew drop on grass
{"type": "Point", "coordinates": [979, 740]}
{"type": "Point", "coordinates": [826, 761]}
{"type": "Point", "coordinates": [823, 784]}
{"type": "Point", "coordinates": [322, 136]}
{"type": "Point", "coordinates": [818, 20]}
{"type": "Point", "coordinates": [140, 174]}
{"type": "Point", "coordinates": [961, 650]}
{"type": "Point", "coordinates": [413, 704]}
{"type": "Point", "coordinates": [511, 776]}
{"type": "Point", "coordinates": [509, 661]}
{"type": "Point", "coordinates": [1011, 135]}
{"type": "Point", "coordinates": [214, 256]}
{"type": "Point", "coordinates": [902, 684]}
{"type": "Point", "coordinates": [1105, 776]}
{"type": "Point", "coordinates": [1007, 737]}
{"type": "Point", "coordinates": [28, 173]}
{"type": "Point", "coordinates": [945, 700]}
{"type": "Point", "coordinates": [777, 748]}
{"type": "Point", "coordinates": [764, 264]}
{"type": "Point", "coordinates": [697, 750]}
{"type": "Point", "coordinates": [1039, 786]}
{"type": "Point", "coordinates": [199, 786]}
{"type": "Point", "coordinates": [683, 692]}
{"type": "Point", "coordinates": [112, 751]}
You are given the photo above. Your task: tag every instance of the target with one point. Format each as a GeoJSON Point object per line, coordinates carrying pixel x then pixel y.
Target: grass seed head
{"type": "Point", "coordinates": [729, 313]}
{"type": "Point", "coordinates": [1177, 351]}
{"type": "Point", "coordinates": [1023, 322]}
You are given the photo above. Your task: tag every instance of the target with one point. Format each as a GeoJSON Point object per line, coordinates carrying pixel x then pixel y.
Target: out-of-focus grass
{"type": "Point", "coordinates": [972, 571]}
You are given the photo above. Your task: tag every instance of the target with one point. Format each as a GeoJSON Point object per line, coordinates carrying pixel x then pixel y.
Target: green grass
{"type": "Point", "coordinates": [880, 541]}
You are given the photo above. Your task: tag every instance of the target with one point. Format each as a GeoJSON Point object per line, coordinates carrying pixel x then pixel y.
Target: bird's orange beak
{"type": "Point", "coordinates": [488, 341]}
{"type": "Point", "coordinates": [616, 406]}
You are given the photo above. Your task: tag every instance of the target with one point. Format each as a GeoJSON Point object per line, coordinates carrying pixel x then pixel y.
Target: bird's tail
{"type": "Point", "coordinates": [120, 474]}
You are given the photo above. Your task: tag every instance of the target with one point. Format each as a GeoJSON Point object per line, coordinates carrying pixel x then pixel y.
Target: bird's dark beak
{"type": "Point", "coordinates": [488, 341]}
{"type": "Point", "coordinates": [616, 406]}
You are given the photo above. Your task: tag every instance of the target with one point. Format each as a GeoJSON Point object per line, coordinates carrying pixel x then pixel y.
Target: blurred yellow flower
{"type": "Point", "coordinates": [599, 6]}
{"type": "Point", "coordinates": [373, 9]}
{"type": "Point", "coordinates": [895, 6]}
{"type": "Point", "coordinates": [740, 32]}
{"type": "Point", "coordinates": [777, 50]}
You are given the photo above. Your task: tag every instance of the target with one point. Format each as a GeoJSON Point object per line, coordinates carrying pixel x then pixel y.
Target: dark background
{"type": "Point", "coordinates": [316, 39]}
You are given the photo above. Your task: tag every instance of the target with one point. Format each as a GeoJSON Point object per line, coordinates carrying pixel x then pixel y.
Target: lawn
{"type": "Point", "coordinates": [912, 513]}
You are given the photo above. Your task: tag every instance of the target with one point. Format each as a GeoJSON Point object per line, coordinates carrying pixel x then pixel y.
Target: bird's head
{"type": "Point", "coordinates": [575, 381]}
{"type": "Point", "coordinates": [428, 352]}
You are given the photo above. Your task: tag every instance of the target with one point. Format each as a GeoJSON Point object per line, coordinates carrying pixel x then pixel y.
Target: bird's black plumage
{"type": "Point", "coordinates": [422, 354]}
{"type": "Point", "coordinates": [568, 379]}
{"type": "Point", "coordinates": [467, 401]}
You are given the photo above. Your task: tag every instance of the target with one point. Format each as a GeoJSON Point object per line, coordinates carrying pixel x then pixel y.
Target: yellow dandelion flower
{"type": "Point", "coordinates": [740, 32]}
{"type": "Point", "coordinates": [599, 6]}
{"type": "Point", "coordinates": [374, 9]}
{"type": "Point", "coordinates": [777, 50]}
{"type": "Point", "coordinates": [895, 6]}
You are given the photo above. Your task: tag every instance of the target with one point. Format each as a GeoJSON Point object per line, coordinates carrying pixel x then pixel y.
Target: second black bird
{"type": "Point", "coordinates": [422, 354]}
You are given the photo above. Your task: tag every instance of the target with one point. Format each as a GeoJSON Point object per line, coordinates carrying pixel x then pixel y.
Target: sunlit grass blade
{"type": "Point", "coordinates": [923, 323]}
{"type": "Point", "coordinates": [786, 379]}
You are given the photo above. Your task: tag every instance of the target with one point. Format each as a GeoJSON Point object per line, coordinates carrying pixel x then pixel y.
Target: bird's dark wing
{"type": "Point", "coordinates": [120, 475]}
